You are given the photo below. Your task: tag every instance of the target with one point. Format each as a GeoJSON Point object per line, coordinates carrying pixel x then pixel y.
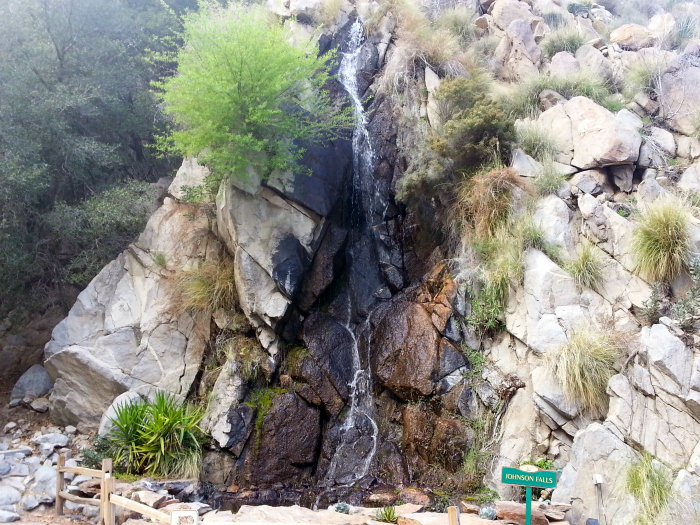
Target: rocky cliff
{"type": "Point", "coordinates": [372, 373]}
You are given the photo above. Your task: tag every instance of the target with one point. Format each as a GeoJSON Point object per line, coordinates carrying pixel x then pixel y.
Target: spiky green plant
{"type": "Point", "coordinates": [587, 268]}
{"type": "Point", "coordinates": [583, 367]}
{"type": "Point", "coordinates": [661, 241]}
{"type": "Point", "coordinates": [387, 515]}
{"type": "Point", "coordinates": [160, 438]}
{"type": "Point", "coordinates": [651, 487]}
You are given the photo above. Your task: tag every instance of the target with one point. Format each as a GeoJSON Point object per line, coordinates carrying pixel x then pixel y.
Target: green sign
{"type": "Point", "coordinates": [529, 476]}
{"type": "Point", "coordinates": [544, 479]}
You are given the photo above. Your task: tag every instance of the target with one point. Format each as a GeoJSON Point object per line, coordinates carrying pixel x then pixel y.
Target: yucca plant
{"type": "Point", "coordinates": [661, 241]}
{"type": "Point", "coordinates": [160, 438]}
{"type": "Point", "coordinates": [583, 367]}
{"type": "Point", "coordinates": [386, 515]}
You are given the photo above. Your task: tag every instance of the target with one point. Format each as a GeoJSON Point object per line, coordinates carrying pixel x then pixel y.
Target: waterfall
{"type": "Point", "coordinates": [359, 433]}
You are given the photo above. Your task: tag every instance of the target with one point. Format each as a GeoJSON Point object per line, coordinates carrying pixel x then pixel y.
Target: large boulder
{"type": "Point", "coordinates": [285, 446]}
{"type": "Point", "coordinates": [597, 450]}
{"type": "Point", "coordinates": [518, 51]}
{"type": "Point", "coordinates": [229, 390]}
{"type": "Point", "coordinates": [680, 100]}
{"type": "Point", "coordinates": [122, 333]}
{"type": "Point", "coordinates": [35, 382]}
{"type": "Point", "coordinates": [504, 12]}
{"type": "Point", "coordinates": [405, 353]}
{"type": "Point", "coordinates": [632, 37]}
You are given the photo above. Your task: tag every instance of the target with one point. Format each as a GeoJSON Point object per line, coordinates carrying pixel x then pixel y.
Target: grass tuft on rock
{"type": "Point", "coordinates": [548, 180]}
{"type": "Point", "coordinates": [536, 141]}
{"type": "Point", "coordinates": [587, 268]}
{"type": "Point", "coordinates": [651, 486]}
{"type": "Point", "coordinates": [524, 101]}
{"type": "Point", "coordinates": [583, 367]}
{"type": "Point", "coordinates": [566, 38]}
{"type": "Point", "coordinates": [661, 241]}
{"type": "Point", "coordinates": [208, 288]}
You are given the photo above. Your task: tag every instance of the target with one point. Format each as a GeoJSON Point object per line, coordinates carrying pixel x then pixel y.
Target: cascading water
{"type": "Point", "coordinates": [359, 433]}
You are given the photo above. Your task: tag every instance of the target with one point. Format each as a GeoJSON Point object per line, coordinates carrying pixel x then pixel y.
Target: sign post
{"type": "Point", "coordinates": [529, 476]}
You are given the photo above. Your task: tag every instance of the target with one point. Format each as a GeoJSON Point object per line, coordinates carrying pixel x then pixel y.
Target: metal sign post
{"type": "Point", "coordinates": [529, 476]}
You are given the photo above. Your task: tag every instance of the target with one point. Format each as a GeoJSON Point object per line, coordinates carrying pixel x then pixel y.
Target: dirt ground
{"type": "Point", "coordinates": [19, 414]}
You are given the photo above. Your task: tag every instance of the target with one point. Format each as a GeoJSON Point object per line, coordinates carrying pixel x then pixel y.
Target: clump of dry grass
{"type": "Point", "coordinates": [485, 199]}
{"type": "Point", "coordinates": [587, 267]}
{"type": "Point", "coordinates": [583, 367]}
{"type": "Point", "coordinates": [207, 288]}
{"type": "Point", "coordinates": [661, 241]}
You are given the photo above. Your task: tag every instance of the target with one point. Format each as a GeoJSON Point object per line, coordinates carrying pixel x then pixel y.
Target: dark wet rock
{"type": "Point", "coordinates": [331, 346]}
{"type": "Point", "coordinates": [451, 439]}
{"type": "Point", "coordinates": [309, 372]}
{"type": "Point", "coordinates": [392, 467]}
{"type": "Point", "coordinates": [450, 358]}
{"type": "Point", "coordinates": [289, 261]}
{"type": "Point", "coordinates": [216, 467]}
{"type": "Point", "coordinates": [418, 429]}
{"type": "Point", "coordinates": [324, 266]}
{"type": "Point", "coordinates": [240, 418]}
{"type": "Point", "coordinates": [285, 451]}
{"type": "Point", "coordinates": [405, 350]}
{"type": "Point", "coordinates": [35, 382]}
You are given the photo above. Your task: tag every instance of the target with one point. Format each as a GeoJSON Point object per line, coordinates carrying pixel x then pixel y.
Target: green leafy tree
{"type": "Point", "coordinates": [76, 119]}
{"type": "Point", "coordinates": [243, 96]}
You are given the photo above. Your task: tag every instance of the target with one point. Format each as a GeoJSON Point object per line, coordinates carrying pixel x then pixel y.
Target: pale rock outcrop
{"type": "Point", "coordinates": [504, 12]}
{"type": "Point", "coordinates": [543, 312]}
{"type": "Point", "coordinates": [593, 61]}
{"type": "Point", "coordinates": [122, 333]}
{"type": "Point", "coordinates": [590, 136]}
{"type": "Point", "coordinates": [229, 390]}
{"type": "Point", "coordinates": [662, 25]}
{"type": "Point", "coordinates": [564, 64]}
{"type": "Point", "coordinates": [690, 179]}
{"type": "Point", "coordinates": [555, 218]}
{"type": "Point", "coordinates": [680, 99]}
{"type": "Point", "coordinates": [632, 37]}
{"type": "Point", "coordinates": [524, 165]}
{"type": "Point", "coordinates": [597, 450]}
{"type": "Point", "coordinates": [518, 52]}
{"type": "Point", "coordinates": [432, 83]}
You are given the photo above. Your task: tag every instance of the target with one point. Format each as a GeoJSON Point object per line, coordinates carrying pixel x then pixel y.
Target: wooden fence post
{"type": "Point", "coordinates": [106, 470]}
{"type": "Point", "coordinates": [453, 515]}
{"type": "Point", "coordinates": [60, 462]}
{"type": "Point", "coordinates": [108, 512]}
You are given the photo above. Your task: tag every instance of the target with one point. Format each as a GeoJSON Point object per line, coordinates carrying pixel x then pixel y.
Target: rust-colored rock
{"type": "Point", "coordinates": [415, 496]}
{"type": "Point", "coordinates": [451, 439]}
{"type": "Point", "coordinates": [418, 429]}
{"type": "Point", "coordinates": [468, 508]}
{"type": "Point", "coordinates": [405, 350]}
{"type": "Point", "coordinates": [403, 520]}
{"type": "Point", "coordinates": [380, 499]}
{"type": "Point", "coordinates": [513, 512]}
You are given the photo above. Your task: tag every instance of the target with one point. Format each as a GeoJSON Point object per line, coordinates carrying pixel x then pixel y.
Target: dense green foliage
{"type": "Point", "coordinates": [158, 438]}
{"type": "Point", "coordinates": [76, 118]}
{"type": "Point", "coordinates": [243, 96]}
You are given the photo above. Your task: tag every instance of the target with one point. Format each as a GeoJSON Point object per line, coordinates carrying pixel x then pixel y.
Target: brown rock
{"type": "Point", "coordinates": [403, 520]}
{"type": "Point", "coordinates": [549, 99]}
{"type": "Point", "coordinates": [380, 499]}
{"type": "Point", "coordinates": [632, 37]}
{"type": "Point", "coordinates": [415, 496]}
{"type": "Point", "coordinates": [554, 511]}
{"type": "Point", "coordinates": [405, 350]}
{"type": "Point", "coordinates": [418, 428]}
{"type": "Point", "coordinates": [391, 465]}
{"type": "Point", "coordinates": [513, 512]}
{"type": "Point", "coordinates": [451, 439]}
{"type": "Point", "coordinates": [309, 372]}
{"type": "Point", "coordinates": [468, 508]}
{"type": "Point", "coordinates": [148, 498]}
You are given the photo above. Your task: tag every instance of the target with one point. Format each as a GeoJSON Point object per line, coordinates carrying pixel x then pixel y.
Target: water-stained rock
{"type": "Point", "coordinates": [405, 353]}
{"type": "Point", "coordinates": [284, 448]}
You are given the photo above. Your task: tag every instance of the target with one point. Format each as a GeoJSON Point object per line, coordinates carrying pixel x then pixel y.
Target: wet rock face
{"type": "Point", "coordinates": [405, 355]}
{"type": "Point", "coordinates": [285, 451]}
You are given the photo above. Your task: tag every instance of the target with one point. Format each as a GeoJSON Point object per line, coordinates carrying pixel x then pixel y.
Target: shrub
{"type": "Point", "coordinates": [579, 9]}
{"type": "Point", "coordinates": [587, 268]}
{"type": "Point", "coordinates": [485, 200]}
{"type": "Point", "coordinates": [554, 20]}
{"type": "Point", "coordinates": [645, 75]}
{"type": "Point", "coordinates": [524, 102]}
{"type": "Point", "coordinates": [93, 456]}
{"type": "Point", "coordinates": [563, 39]}
{"type": "Point", "coordinates": [208, 288]}
{"type": "Point", "coordinates": [251, 111]}
{"type": "Point", "coordinates": [651, 487]}
{"type": "Point", "coordinates": [159, 438]}
{"type": "Point", "coordinates": [536, 142]}
{"type": "Point", "coordinates": [661, 240]}
{"type": "Point", "coordinates": [459, 21]}
{"type": "Point", "coordinates": [583, 367]}
{"type": "Point", "coordinates": [651, 308]}
{"type": "Point", "coordinates": [387, 515]}
{"type": "Point", "coordinates": [548, 180]}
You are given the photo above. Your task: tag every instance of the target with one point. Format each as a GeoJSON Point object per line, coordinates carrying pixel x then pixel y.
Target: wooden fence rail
{"type": "Point", "coordinates": [108, 500]}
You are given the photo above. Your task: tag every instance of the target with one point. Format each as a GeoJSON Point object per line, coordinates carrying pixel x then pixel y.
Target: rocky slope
{"type": "Point", "coordinates": [377, 374]}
